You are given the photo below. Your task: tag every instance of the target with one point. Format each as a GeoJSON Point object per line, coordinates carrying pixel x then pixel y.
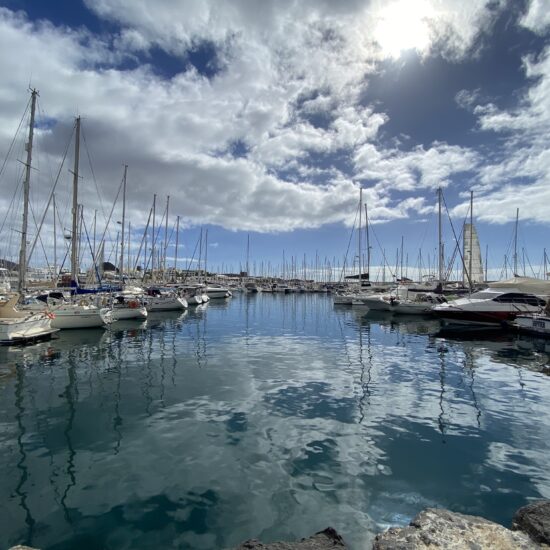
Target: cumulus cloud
{"type": "Point", "coordinates": [518, 174]}
{"type": "Point", "coordinates": [287, 92]}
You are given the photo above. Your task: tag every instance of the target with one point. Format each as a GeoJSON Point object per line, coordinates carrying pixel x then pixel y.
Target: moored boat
{"type": "Point", "coordinates": [491, 306]}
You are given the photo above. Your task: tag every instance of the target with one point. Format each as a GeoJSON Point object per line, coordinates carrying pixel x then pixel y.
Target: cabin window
{"type": "Point", "coordinates": [518, 298]}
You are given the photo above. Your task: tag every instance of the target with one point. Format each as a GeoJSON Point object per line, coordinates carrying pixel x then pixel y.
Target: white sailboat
{"type": "Point", "coordinates": [15, 325]}
{"type": "Point", "coordinates": [164, 300]}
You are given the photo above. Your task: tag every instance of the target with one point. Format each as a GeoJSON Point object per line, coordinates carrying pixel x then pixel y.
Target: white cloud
{"type": "Point", "coordinates": [175, 132]}
{"type": "Point", "coordinates": [518, 175]}
{"type": "Point", "coordinates": [537, 17]}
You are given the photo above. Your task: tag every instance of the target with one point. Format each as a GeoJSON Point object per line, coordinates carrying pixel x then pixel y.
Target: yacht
{"type": "Point", "coordinates": [20, 326]}
{"type": "Point", "coordinates": [491, 306]}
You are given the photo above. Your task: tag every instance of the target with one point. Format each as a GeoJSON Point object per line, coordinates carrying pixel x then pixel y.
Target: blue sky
{"type": "Point", "coordinates": [264, 118]}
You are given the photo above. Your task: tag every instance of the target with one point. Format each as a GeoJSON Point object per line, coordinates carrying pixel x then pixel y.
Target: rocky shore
{"type": "Point", "coordinates": [436, 528]}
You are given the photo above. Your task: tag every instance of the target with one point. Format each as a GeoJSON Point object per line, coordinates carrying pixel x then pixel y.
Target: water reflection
{"type": "Point", "coordinates": [174, 431]}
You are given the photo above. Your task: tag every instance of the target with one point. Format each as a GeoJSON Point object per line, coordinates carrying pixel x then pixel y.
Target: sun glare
{"type": "Point", "coordinates": [403, 25]}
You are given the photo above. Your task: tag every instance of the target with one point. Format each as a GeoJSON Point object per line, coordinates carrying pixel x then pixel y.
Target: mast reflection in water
{"type": "Point", "coordinates": [266, 416]}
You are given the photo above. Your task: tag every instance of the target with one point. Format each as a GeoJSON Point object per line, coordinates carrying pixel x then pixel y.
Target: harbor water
{"type": "Point", "coordinates": [265, 416]}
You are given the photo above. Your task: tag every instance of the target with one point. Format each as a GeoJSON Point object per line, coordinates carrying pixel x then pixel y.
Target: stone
{"type": "Point", "coordinates": [437, 528]}
{"type": "Point", "coordinates": [328, 539]}
{"type": "Point", "coordinates": [534, 519]}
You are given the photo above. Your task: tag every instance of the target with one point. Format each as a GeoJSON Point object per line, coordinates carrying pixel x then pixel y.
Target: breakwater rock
{"type": "Point", "coordinates": [436, 528]}
{"type": "Point", "coordinates": [328, 539]}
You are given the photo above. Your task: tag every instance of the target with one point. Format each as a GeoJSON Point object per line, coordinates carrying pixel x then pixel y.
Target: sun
{"type": "Point", "coordinates": [403, 25]}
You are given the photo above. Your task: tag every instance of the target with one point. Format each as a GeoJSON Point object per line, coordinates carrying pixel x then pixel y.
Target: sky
{"type": "Point", "coordinates": [265, 118]}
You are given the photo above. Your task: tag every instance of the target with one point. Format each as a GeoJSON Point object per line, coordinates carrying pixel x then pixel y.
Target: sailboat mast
{"type": "Point", "coordinates": [54, 241]}
{"type": "Point", "coordinates": [74, 234]}
{"type": "Point", "coordinates": [22, 279]}
{"type": "Point", "coordinates": [177, 245]}
{"type": "Point", "coordinates": [359, 232]}
{"type": "Point", "coordinates": [247, 254]}
{"type": "Point", "coordinates": [165, 239]}
{"type": "Point", "coordinates": [153, 240]}
{"type": "Point", "coordinates": [440, 237]}
{"type": "Point", "coordinates": [471, 239]}
{"type": "Point", "coordinates": [205, 252]}
{"type": "Point", "coordinates": [368, 239]}
{"type": "Point", "coordinates": [516, 244]}
{"type": "Point", "coordinates": [121, 265]}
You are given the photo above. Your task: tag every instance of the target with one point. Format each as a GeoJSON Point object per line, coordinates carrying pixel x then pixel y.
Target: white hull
{"type": "Point", "coordinates": [124, 313]}
{"type": "Point", "coordinates": [536, 324]}
{"type": "Point", "coordinates": [24, 328]}
{"type": "Point", "coordinates": [377, 303]}
{"type": "Point", "coordinates": [219, 294]}
{"type": "Point", "coordinates": [194, 300]}
{"type": "Point", "coordinates": [72, 317]}
{"type": "Point", "coordinates": [166, 304]}
{"type": "Point", "coordinates": [344, 299]}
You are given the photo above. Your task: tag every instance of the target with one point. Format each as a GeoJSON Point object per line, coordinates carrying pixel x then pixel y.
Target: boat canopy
{"type": "Point", "coordinates": [529, 285]}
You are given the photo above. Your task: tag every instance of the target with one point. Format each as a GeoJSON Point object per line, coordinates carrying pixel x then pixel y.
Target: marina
{"type": "Point", "coordinates": [274, 274]}
{"type": "Point", "coordinates": [203, 428]}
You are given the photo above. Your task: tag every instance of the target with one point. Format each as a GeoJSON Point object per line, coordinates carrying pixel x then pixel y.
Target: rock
{"type": "Point", "coordinates": [323, 540]}
{"type": "Point", "coordinates": [434, 528]}
{"type": "Point", "coordinates": [20, 547]}
{"type": "Point", "coordinates": [534, 519]}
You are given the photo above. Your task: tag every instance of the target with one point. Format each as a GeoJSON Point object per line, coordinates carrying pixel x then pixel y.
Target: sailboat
{"type": "Point", "coordinates": [82, 314]}
{"type": "Point", "coordinates": [16, 325]}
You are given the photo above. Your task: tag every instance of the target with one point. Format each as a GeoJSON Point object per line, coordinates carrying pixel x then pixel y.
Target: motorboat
{"type": "Point", "coordinates": [21, 326]}
{"type": "Point", "coordinates": [489, 307]}
{"type": "Point", "coordinates": [536, 323]}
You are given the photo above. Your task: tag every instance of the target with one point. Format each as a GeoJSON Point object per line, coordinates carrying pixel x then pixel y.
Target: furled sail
{"type": "Point", "coordinates": [472, 256]}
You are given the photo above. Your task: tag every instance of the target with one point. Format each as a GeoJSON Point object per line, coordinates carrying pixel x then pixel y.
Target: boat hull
{"type": "Point", "coordinates": [77, 318]}
{"type": "Point", "coordinates": [534, 324]}
{"type": "Point", "coordinates": [171, 304]}
{"type": "Point", "coordinates": [25, 329]}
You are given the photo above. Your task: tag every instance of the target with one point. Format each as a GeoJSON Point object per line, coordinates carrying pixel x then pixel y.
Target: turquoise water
{"type": "Point", "coordinates": [265, 416]}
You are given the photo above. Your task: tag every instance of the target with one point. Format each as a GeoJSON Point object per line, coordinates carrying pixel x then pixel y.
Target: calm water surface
{"type": "Point", "coordinates": [265, 416]}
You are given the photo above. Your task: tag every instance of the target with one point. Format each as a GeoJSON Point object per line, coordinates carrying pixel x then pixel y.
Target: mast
{"type": "Point", "coordinates": [165, 239]}
{"type": "Point", "coordinates": [471, 240]}
{"type": "Point", "coordinates": [74, 234]}
{"type": "Point", "coordinates": [177, 245]}
{"type": "Point", "coordinates": [359, 233]}
{"type": "Point", "coordinates": [95, 222]}
{"type": "Point", "coordinates": [441, 260]}
{"type": "Point", "coordinates": [516, 244]}
{"type": "Point", "coordinates": [22, 279]}
{"type": "Point", "coordinates": [129, 239]}
{"type": "Point", "coordinates": [368, 239]}
{"type": "Point", "coordinates": [121, 265]}
{"type": "Point", "coordinates": [200, 256]}
{"type": "Point", "coordinates": [247, 254]}
{"type": "Point", "coordinates": [54, 241]}
{"type": "Point", "coordinates": [205, 252]}
{"type": "Point", "coordinates": [153, 240]}
{"type": "Point", "coordinates": [402, 255]}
